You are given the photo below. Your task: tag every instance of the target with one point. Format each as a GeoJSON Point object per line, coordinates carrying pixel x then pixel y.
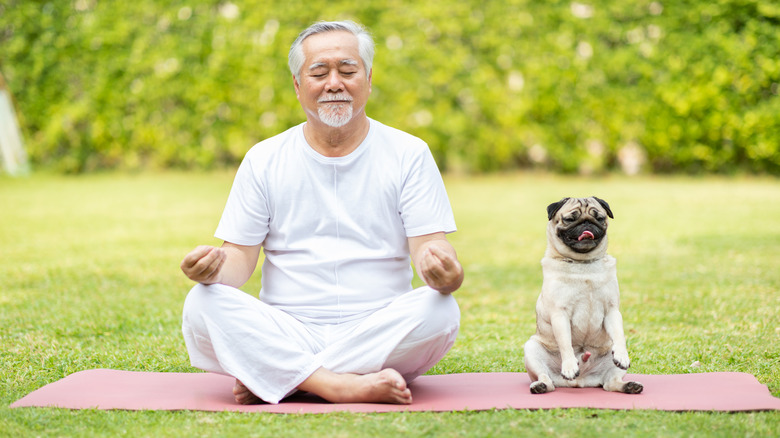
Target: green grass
{"type": "Point", "coordinates": [89, 278]}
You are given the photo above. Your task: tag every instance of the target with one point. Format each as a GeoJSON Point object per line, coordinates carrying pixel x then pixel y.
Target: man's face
{"type": "Point", "coordinates": [333, 86]}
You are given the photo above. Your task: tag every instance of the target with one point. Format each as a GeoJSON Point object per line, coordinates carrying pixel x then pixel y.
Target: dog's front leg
{"type": "Point", "coordinates": [613, 324]}
{"type": "Point", "coordinates": [561, 326]}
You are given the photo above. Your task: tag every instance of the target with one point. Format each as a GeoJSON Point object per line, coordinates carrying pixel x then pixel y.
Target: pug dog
{"type": "Point", "coordinates": [579, 340]}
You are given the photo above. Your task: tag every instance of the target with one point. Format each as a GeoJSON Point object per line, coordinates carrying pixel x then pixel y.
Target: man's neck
{"type": "Point", "coordinates": [336, 142]}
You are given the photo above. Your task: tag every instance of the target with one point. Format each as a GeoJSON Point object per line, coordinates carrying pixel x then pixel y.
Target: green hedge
{"type": "Point", "coordinates": [583, 86]}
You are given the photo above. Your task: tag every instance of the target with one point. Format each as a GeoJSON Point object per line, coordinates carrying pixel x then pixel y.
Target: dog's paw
{"type": "Point", "coordinates": [633, 388]}
{"type": "Point", "coordinates": [538, 387]}
{"type": "Point", "coordinates": [621, 360]}
{"type": "Point", "coordinates": [570, 370]}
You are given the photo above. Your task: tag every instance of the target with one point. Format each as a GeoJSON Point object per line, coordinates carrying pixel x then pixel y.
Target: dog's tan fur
{"type": "Point", "coordinates": [579, 341]}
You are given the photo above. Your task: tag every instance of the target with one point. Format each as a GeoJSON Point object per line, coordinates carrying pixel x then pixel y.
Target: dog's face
{"type": "Point", "coordinates": [578, 226]}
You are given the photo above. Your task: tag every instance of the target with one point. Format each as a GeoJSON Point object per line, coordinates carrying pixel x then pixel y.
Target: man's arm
{"type": "Point", "coordinates": [231, 264]}
{"type": "Point", "coordinates": [436, 261]}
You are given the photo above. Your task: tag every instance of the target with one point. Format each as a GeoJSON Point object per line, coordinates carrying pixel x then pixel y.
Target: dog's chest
{"type": "Point", "coordinates": [585, 292]}
{"type": "Point", "coordinates": [587, 313]}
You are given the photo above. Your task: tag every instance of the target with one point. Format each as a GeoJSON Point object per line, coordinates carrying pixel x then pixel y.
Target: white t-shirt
{"type": "Point", "coordinates": [334, 230]}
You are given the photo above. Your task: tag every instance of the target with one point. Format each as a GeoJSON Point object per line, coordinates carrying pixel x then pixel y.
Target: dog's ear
{"type": "Point", "coordinates": [554, 207]}
{"type": "Point", "coordinates": [606, 207]}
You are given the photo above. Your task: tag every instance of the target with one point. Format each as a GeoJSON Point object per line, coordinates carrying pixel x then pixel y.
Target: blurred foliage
{"type": "Point", "coordinates": [589, 86]}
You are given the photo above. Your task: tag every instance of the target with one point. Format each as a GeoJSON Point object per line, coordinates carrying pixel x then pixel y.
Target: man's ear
{"type": "Point", "coordinates": [297, 87]}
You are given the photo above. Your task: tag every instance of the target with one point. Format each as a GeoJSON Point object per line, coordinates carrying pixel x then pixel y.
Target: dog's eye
{"type": "Point", "coordinates": [597, 215]}
{"type": "Point", "coordinates": [570, 217]}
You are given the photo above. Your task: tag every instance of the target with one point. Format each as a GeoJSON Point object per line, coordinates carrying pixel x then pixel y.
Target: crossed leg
{"type": "Point", "coordinates": [344, 372]}
{"type": "Point", "coordinates": [386, 386]}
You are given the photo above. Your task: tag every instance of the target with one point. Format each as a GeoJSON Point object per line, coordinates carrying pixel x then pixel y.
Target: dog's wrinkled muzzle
{"type": "Point", "coordinates": [583, 237]}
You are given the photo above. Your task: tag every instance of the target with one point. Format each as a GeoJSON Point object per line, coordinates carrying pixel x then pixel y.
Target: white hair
{"type": "Point", "coordinates": [365, 44]}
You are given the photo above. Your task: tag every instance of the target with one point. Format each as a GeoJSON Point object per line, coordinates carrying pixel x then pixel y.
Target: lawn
{"type": "Point", "coordinates": [89, 278]}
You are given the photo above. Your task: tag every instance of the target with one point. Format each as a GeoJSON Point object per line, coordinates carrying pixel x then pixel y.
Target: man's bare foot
{"type": "Point", "coordinates": [243, 395]}
{"type": "Point", "coordinates": [386, 386]}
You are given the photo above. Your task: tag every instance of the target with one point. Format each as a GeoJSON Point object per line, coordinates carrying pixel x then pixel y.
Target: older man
{"type": "Point", "coordinates": [338, 204]}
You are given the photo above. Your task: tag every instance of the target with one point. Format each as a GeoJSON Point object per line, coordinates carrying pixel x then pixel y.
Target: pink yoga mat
{"type": "Point", "coordinates": [130, 390]}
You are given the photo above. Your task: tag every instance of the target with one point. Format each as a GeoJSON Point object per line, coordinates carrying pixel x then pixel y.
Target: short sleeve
{"type": "Point", "coordinates": [245, 220]}
{"type": "Point", "coordinates": [424, 205]}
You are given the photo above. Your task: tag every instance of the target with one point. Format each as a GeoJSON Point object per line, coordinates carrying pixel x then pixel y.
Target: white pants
{"type": "Point", "coordinates": [230, 332]}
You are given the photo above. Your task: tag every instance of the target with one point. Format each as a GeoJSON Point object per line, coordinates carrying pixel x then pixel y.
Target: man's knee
{"type": "Point", "coordinates": [209, 299]}
{"type": "Point", "coordinates": [433, 321]}
{"type": "Point", "coordinates": [437, 302]}
{"type": "Point", "coordinates": [436, 312]}
{"type": "Point", "coordinates": [198, 298]}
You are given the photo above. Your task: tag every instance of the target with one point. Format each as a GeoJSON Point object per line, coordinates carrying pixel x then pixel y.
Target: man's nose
{"type": "Point", "coordinates": [334, 82]}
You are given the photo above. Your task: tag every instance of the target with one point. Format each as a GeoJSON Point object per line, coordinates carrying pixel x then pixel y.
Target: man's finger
{"type": "Point", "coordinates": [218, 262]}
{"type": "Point", "coordinates": [212, 262]}
{"type": "Point", "coordinates": [202, 263]}
{"type": "Point", "coordinates": [195, 255]}
{"type": "Point", "coordinates": [443, 259]}
{"type": "Point", "coordinates": [437, 269]}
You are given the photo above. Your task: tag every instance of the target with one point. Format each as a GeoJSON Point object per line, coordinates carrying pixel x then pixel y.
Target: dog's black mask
{"type": "Point", "coordinates": [581, 232]}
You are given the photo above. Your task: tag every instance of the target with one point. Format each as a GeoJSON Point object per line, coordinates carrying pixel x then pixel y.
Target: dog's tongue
{"type": "Point", "coordinates": [586, 235]}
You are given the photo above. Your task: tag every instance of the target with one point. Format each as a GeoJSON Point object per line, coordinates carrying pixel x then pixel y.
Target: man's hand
{"type": "Point", "coordinates": [204, 264]}
{"type": "Point", "coordinates": [436, 261]}
{"type": "Point", "coordinates": [440, 270]}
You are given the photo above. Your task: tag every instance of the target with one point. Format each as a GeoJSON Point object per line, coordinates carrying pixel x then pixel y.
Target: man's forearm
{"type": "Point", "coordinates": [239, 264]}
